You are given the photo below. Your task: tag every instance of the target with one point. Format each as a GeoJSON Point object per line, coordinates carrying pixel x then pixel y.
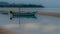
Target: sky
{"type": "Point", "coordinates": [46, 3]}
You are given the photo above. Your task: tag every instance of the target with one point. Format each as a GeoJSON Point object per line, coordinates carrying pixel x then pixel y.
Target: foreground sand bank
{"type": "Point", "coordinates": [4, 30]}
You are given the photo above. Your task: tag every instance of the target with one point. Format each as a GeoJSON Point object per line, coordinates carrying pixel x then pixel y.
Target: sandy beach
{"type": "Point", "coordinates": [4, 30]}
{"type": "Point", "coordinates": [49, 14]}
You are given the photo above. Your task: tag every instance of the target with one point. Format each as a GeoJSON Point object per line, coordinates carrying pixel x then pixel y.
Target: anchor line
{"type": "Point", "coordinates": [19, 18]}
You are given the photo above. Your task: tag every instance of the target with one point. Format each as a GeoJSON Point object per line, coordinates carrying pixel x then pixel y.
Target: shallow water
{"type": "Point", "coordinates": [39, 25]}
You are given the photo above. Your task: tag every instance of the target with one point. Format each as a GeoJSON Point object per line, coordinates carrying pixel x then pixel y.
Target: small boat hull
{"type": "Point", "coordinates": [27, 15]}
{"type": "Point", "coordinates": [24, 14]}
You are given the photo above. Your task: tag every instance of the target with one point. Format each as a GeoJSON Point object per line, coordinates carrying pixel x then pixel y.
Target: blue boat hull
{"type": "Point", "coordinates": [24, 14]}
{"type": "Point", "coordinates": [27, 15]}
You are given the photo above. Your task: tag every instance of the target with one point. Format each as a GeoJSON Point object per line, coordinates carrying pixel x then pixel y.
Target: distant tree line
{"type": "Point", "coordinates": [5, 4]}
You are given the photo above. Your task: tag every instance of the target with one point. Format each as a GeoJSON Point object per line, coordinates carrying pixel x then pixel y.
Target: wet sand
{"type": "Point", "coordinates": [4, 30]}
{"type": "Point", "coordinates": [49, 14]}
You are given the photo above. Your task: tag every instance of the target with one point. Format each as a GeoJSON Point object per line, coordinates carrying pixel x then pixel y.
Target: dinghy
{"type": "Point", "coordinates": [23, 14]}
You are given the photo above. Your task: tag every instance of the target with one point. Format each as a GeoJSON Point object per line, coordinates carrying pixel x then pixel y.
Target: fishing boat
{"type": "Point", "coordinates": [22, 14]}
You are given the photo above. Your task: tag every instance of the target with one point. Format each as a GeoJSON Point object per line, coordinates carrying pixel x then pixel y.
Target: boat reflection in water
{"type": "Point", "coordinates": [23, 15]}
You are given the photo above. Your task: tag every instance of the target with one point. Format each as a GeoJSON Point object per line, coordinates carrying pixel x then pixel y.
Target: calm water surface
{"type": "Point", "coordinates": [39, 25]}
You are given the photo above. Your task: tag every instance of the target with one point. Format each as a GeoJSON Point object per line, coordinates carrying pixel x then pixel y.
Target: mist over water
{"type": "Point", "coordinates": [40, 25]}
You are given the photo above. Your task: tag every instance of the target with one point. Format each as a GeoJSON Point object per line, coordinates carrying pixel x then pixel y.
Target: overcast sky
{"type": "Point", "coordinates": [46, 3]}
